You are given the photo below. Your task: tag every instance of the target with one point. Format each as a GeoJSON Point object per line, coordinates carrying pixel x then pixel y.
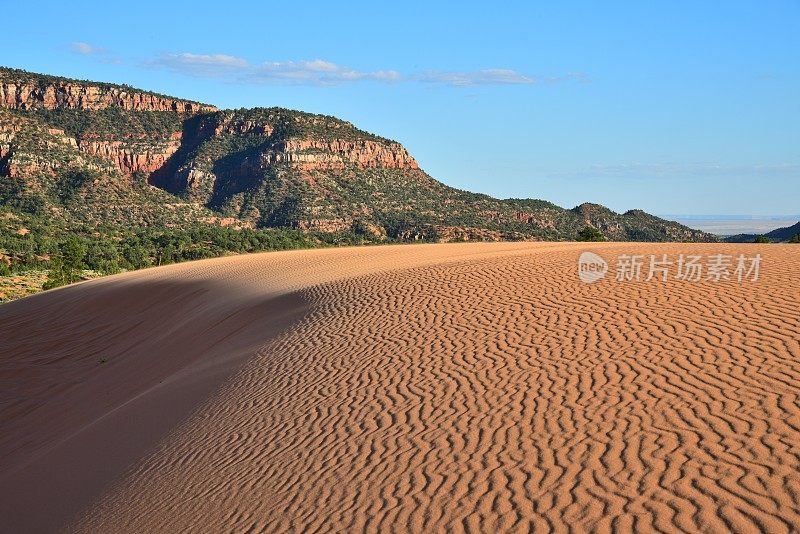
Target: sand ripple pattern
{"type": "Point", "coordinates": [496, 393]}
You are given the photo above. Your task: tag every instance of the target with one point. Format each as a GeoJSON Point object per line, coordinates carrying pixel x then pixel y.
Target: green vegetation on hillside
{"type": "Point", "coordinates": [33, 244]}
{"type": "Point", "coordinates": [110, 122]}
{"type": "Point", "coordinates": [122, 189]}
{"type": "Point", "coordinates": [292, 123]}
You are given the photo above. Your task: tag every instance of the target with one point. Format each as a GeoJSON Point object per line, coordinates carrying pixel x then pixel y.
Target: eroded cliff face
{"type": "Point", "coordinates": [65, 95]}
{"type": "Point", "coordinates": [256, 163]}
{"type": "Point", "coordinates": [313, 143]}
{"type": "Point", "coordinates": [133, 155]}
{"type": "Point", "coordinates": [308, 154]}
{"type": "Point", "coordinates": [320, 154]}
{"type": "Point", "coordinates": [128, 152]}
{"type": "Point", "coordinates": [235, 157]}
{"type": "Point", "coordinates": [26, 147]}
{"type": "Point", "coordinates": [26, 91]}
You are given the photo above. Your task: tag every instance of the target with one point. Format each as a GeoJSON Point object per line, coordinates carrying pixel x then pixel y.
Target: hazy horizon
{"type": "Point", "coordinates": [734, 224]}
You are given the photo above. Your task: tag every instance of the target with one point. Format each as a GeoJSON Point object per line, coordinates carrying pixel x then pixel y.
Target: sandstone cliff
{"type": "Point", "coordinates": [311, 154]}
{"type": "Point", "coordinates": [131, 156]}
{"type": "Point", "coordinates": [20, 90]}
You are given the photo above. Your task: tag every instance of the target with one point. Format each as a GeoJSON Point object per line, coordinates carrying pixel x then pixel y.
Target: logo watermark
{"type": "Point", "coordinates": [591, 267]}
{"type": "Point", "coordinates": [686, 267]}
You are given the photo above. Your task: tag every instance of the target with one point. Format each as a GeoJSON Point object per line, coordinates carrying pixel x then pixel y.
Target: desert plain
{"type": "Point", "coordinates": [415, 388]}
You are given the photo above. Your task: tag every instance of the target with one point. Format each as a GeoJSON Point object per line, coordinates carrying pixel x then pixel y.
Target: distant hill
{"type": "Point", "coordinates": [778, 235]}
{"type": "Point", "coordinates": [98, 153]}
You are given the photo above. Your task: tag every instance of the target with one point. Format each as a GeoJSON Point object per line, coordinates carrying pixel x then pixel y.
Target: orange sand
{"type": "Point", "coordinates": [464, 387]}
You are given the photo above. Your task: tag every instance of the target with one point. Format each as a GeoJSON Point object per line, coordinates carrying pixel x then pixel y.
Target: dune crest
{"type": "Point", "coordinates": [469, 387]}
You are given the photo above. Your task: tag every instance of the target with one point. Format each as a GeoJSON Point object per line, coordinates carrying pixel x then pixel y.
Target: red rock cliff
{"type": "Point", "coordinates": [309, 153]}
{"type": "Point", "coordinates": [131, 156]}
{"type": "Point", "coordinates": [22, 94]}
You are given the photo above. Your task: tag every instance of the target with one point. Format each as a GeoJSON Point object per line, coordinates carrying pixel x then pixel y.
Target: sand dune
{"type": "Point", "coordinates": [464, 387]}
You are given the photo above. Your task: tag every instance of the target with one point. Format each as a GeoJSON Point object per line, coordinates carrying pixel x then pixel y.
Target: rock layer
{"type": "Point", "coordinates": [21, 95]}
{"type": "Point", "coordinates": [311, 154]}
{"type": "Point", "coordinates": [132, 156]}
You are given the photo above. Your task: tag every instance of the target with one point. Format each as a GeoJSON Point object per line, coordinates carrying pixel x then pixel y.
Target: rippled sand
{"type": "Point", "coordinates": [464, 387]}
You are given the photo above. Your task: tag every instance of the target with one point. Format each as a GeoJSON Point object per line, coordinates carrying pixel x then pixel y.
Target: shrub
{"type": "Point", "coordinates": [795, 238]}
{"type": "Point", "coordinates": [761, 239]}
{"type": "Point", "coordinates": [71, 182]}
{"type": "Point", "coordinates": [590, 233]}
{"type": "Point", "coordinates": [66, 266]}
{"type": "Point", "coordinates": [73, 252]}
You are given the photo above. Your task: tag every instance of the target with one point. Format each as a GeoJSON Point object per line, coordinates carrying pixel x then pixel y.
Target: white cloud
{"type": "Point", "coordinates": [201, 65]}
{"type": "Point", "coordinates": [324, 73]}
{"type": "Point", "coordinates": [306, 72]}
{"type": "Point", "coordinates": [85, 49]}
{"type": "Point", "coordinates": [98, 53]}
{"type": "Point", "coordinates": [221, 60]}
{"type": "Point", "coordinates": [315, 72]}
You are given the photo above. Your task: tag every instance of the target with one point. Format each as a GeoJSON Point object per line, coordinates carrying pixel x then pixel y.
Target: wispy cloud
{"type": "Point", "coordinates": [85, 49]}
{"type": "Point", "coordinates": [200, 65]}
{"type": "Point", "coordinates": [325, 73]}
{"type": "Point", "coordinates": [494, 77]}
{"type": "Point", "coordinates": [316, 72]}
{"type": "Point", "coordinates": [479, 77]}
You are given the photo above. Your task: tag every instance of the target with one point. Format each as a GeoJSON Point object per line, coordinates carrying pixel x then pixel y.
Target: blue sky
{"type": "Point", "coordinates": [672, 107]}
